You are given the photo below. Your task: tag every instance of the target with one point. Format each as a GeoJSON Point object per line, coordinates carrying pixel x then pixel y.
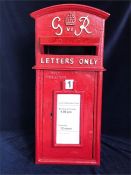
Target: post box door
{"type": "Point", "coordinates": [67, 121]}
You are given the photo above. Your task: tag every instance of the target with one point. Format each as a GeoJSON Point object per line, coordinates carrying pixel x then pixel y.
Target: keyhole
{"type": "Point", "coordinates": [51, 115]}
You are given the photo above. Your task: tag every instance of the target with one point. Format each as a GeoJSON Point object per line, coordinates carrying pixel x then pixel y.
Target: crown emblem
{"type": "Point", "coordinates": [70, 19]}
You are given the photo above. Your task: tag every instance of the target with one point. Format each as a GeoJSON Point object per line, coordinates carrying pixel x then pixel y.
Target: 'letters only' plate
{"type": "Point", "coordinates": [68, 119]}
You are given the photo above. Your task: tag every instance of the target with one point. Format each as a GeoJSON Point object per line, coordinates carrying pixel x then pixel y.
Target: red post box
{"type": "Point", "coordinates": [69, 44]}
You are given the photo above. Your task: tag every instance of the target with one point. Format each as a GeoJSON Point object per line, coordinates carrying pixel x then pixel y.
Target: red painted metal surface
{"type": "Point", "coordinates": [69, 25]}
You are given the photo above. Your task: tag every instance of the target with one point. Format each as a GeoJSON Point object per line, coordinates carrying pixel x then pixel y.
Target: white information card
{"type": "Point", "coordinates": [68, 119]}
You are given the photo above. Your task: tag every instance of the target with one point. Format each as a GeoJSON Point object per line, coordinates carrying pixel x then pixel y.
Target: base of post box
{"type": "Point", "coordinates": [68, 162]}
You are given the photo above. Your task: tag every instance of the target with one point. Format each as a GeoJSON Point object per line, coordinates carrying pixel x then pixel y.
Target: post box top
{"type": "Point", "coordinates": [66, 7]}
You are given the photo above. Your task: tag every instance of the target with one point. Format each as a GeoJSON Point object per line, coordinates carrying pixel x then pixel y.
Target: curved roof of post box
{"type": "Point", "coordinates": [65, 7]}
